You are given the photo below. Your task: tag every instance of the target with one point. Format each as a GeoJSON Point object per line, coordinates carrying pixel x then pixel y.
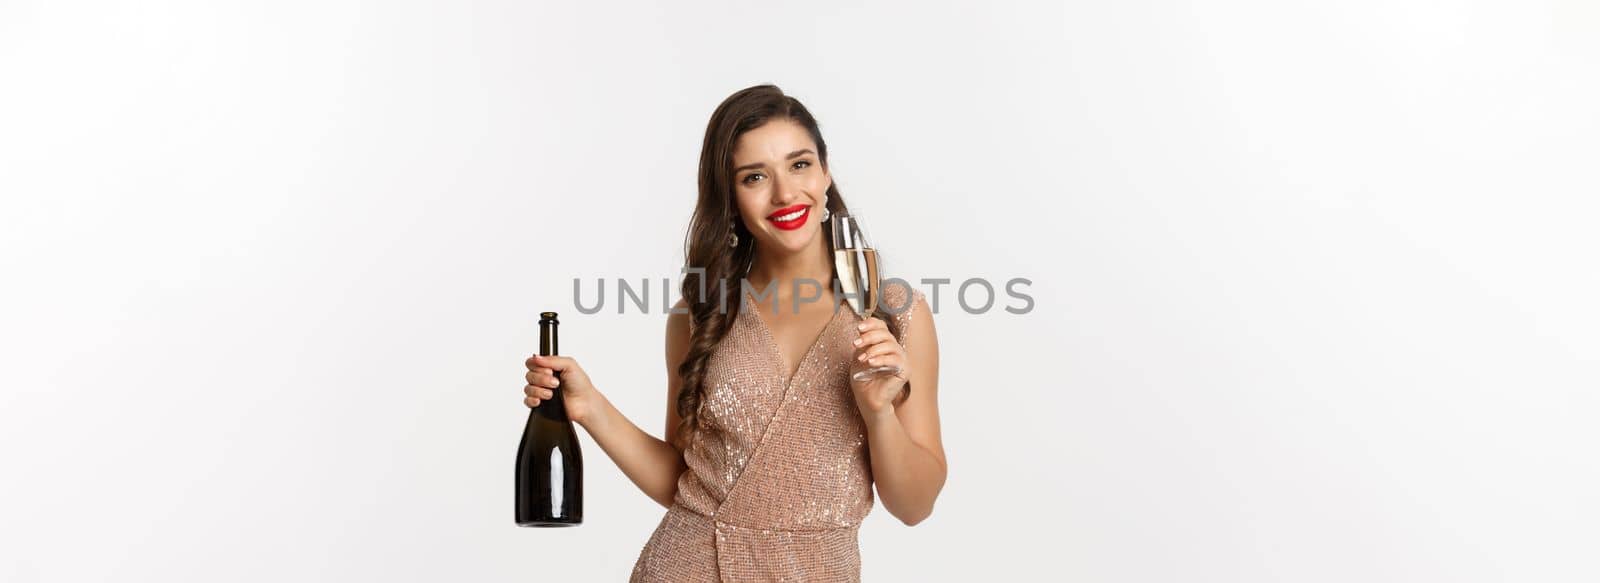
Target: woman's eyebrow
{"type": "Point", "coordinates": [791, 156]}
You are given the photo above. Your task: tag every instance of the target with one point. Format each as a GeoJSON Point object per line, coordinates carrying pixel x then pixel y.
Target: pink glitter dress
{"type": "Point", "coordinates": [778, 483]}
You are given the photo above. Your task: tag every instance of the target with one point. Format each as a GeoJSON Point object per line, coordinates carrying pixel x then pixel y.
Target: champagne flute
{"type": "Point", "coordinates": [857, 265]}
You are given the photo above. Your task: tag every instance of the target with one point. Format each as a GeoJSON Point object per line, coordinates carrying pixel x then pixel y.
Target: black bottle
{"type": "Point", "coordinates": [549, 465]}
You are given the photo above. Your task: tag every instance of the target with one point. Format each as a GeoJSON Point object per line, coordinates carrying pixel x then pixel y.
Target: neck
{"type": "Point", "coordinates": [814, 263]}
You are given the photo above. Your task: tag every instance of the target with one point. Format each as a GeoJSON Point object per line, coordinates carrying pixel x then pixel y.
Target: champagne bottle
{"type": "Point", "coordinates": [549, 465]}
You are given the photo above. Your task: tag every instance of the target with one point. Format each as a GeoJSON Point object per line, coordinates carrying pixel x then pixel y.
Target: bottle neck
{"type": "Point", "coordinates": [555, 407]}
{"type": "Point", "coordinates": [548, 340]}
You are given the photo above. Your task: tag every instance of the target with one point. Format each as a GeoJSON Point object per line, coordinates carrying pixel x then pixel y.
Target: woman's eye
{"type": "Point", "coordinates": [802, 164]}
{"type": "Point", "coordinates": [751, 178]}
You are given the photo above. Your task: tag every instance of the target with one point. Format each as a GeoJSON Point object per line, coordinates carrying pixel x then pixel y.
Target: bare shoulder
{"type": "Point", "coordinates": [913, 317]}
{"type": "Point", "coordinates": [678, 325]}
{"type": "Point", "coordinates": [920, 331]}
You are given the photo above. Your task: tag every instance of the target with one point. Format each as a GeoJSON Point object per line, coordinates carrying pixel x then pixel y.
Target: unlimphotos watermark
{"type": "Point", "coordinates": [976, 295]}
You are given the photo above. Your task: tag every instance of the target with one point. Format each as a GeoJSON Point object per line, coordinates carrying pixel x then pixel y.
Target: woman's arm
{"type": "Point", "coordinates": [653, 464]}
{"type": "Point", "coordinates": [908, 461]}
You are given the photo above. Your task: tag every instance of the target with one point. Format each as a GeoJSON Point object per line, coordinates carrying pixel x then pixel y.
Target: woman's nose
{"type": "Point", "coordinates": [784, 191]}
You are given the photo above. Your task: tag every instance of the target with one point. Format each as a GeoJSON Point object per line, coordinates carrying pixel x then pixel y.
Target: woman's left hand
{"type": "Point", "coordinates": [877, 347]}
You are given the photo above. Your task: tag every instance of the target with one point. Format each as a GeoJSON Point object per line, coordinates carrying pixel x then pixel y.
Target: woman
{"type": "Point", "coordinates": [765, 470]}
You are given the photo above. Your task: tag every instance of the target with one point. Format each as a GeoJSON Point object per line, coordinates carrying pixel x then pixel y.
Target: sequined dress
{"type": "Point", "coordinates": [777, 485]}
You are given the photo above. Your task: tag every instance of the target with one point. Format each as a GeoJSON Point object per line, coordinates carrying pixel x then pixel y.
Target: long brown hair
{"type": "Point", "coordinates": [716, 214]}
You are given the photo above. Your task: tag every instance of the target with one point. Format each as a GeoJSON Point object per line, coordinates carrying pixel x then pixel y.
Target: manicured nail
{"type": "Point", "coordinates": [857, 342]}
{"type": "Point", "coordinates": [861, 326]}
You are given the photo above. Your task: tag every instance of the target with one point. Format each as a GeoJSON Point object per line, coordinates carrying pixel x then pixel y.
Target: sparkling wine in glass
{"type": "Point", "coordinates": [857, 265]}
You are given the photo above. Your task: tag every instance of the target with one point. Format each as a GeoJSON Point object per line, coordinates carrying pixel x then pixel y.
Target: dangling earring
{"type": "Point", "coordinates": [825, 213]}
{"type": "Point", "coordinates": [733, 238]}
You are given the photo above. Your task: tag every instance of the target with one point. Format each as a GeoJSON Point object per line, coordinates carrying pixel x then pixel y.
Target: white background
{"type": "Point", "coordinates": [1314, 281]}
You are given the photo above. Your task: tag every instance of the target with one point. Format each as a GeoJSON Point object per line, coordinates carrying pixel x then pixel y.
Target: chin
{"type": "Point", "coordinates": [796, 241]}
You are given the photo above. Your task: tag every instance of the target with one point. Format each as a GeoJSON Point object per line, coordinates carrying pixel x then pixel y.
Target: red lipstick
{"type": "Point", "coordinates": [796, 216]}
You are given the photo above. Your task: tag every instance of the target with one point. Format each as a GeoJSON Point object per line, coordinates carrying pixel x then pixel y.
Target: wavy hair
{"type": "Point", "coordinates": [710, 263]}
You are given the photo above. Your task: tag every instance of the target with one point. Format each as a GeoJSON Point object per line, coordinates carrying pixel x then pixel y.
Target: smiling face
{"type": "Point", "coordinates": [781, 185]}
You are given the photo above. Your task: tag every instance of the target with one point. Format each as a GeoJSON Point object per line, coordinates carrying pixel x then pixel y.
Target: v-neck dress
{"type": "Point", "coordinates": [778, 478]}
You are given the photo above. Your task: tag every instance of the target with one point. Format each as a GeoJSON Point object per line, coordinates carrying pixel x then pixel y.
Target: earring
{"type": "Point", "coordinates": [825, 213]}
{"type": "Point", "coordinates": [733, 238]}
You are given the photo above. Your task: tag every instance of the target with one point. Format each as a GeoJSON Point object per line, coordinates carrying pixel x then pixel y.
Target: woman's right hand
{"type": "Point", "coordinates": [577, 392]}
